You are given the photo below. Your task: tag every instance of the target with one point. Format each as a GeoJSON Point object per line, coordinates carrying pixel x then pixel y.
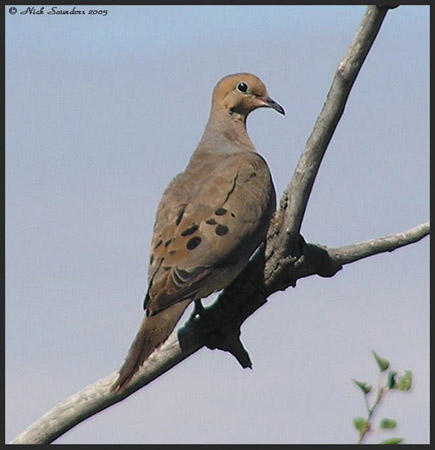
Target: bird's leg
{"type": "Point", "coordinates": [198, 309]}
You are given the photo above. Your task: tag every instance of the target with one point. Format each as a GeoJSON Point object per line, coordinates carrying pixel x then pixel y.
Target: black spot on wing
{"type": "Point", "coordinates": [158, 244]}
{"type": "Point", "coordinates": [190, 230]}
{"type": "Point", "coordinates": [192, 243]}
{"type": "Point", "coordinates": [211, 222]}
{"type": "Point", "coordinates": [180, 215]}
{"type": "Point", "coordinates": [221, 230]}
{"type": "Point", "coordinates": [220, 212]}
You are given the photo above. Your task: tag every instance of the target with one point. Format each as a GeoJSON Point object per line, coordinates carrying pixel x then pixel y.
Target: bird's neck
{"type": "Point", "coordinates": [226, 133]}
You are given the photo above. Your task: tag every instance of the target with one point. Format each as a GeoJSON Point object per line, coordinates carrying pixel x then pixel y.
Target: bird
{"type": "Point", "coordinates": [210, 220]}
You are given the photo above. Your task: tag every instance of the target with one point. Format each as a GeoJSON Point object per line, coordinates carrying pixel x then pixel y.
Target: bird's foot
{"type": "Point", "coordinates": [198, 310]}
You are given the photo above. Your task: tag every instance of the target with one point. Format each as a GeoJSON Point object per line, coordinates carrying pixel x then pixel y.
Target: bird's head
{"type": "Point", "coordinates": [241, 93]}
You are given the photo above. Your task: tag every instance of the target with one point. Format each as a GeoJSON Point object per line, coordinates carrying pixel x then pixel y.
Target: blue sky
{"type": "Point", "coordinates": [101, 112]}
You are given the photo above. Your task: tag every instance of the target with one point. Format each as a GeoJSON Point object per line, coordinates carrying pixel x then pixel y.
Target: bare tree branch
{"type": "Point", "coordinates": [325, 262]}
{"type": "Point", "coordinates": [98, 396]}
{"type": "Point", "coordinates": [355, 252]}
{"type": "Point", "coordinates": [194, 335]}
{"type": "Point", "coordinates": [281, 262]}
{"type": "Point", "coordinates": [295, 198]}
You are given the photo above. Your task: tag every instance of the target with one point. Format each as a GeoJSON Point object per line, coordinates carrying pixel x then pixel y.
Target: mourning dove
{"type": "Point", "coordinates": [211, 218]}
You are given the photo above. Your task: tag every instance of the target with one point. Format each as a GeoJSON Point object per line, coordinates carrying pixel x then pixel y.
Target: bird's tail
{"type": "Point", "coordinates": [153, 331]}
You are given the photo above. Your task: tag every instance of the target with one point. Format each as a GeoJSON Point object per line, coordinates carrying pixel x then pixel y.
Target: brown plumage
{"type": "Point", "coordinates": [211, 217]}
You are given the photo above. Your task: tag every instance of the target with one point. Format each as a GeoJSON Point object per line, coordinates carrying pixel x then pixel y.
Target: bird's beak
{"type": "Point", "coordinates": [270, 103]}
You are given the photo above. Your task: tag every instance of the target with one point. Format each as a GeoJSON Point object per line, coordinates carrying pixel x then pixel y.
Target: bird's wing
{"type": "Point", "coordinates": [210, 220]}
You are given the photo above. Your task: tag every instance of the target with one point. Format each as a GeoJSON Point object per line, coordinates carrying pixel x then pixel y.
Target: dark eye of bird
{"type": "Point", "coordinates": [242, 87]}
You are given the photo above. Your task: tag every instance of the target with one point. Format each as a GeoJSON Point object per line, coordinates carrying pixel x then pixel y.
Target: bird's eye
{"type": "Point", "coordinates": [242, 87]}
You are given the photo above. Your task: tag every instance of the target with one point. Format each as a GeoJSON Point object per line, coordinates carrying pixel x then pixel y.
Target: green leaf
{"type": "Point", "coordinates": [404, 383]}
{"type": "Point", "coordinates": [392, 441]}
{"type": "Point", "coordinates": [391, 381]}
{"type": "Point", "coordinates": [360, 423]}
{"type": "Point", "coordinates": [366, 388]}
{"type": "Point", "coordinates": [382, 362]}
{"type": "Point", "coordinates": [387, 424]}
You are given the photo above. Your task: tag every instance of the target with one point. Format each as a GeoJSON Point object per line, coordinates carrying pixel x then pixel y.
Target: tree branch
{"type": "Point", "coordinates": [281, 262]}
{"type": "Point", "coordinates": [352, 253]}
{"type": "Point", "coordinates": [325, 262]}
{"type": "Point", "coordinates": [243, 297]}
{"type": "Point", "coordinates": [295, 198]}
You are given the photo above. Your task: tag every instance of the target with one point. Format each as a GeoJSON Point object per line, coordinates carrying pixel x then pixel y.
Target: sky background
{"type": "Point", "coordinates": [101, 113]}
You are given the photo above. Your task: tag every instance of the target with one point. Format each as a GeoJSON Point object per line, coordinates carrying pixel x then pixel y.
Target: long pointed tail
{"type": "Point", "coordinates": [153, 331]}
